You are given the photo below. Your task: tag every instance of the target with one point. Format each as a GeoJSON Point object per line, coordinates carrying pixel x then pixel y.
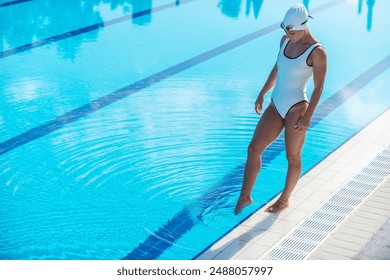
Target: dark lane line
{"type": "Point", "coordinates": [11, 3]}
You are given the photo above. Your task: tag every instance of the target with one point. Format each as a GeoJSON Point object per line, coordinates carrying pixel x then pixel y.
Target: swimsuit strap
{"type": "Point", "coordinates": [311, 49]}
{"type": "Point", "coordinates": [313, 46]}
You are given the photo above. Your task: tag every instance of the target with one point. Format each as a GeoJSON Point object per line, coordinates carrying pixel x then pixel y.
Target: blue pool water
{"type": "Point", "coordinates": [124, 124]}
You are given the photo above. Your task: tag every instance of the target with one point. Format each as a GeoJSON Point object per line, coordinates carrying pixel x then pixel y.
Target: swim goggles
{"type": "Point", "coordinates": [302, 26]}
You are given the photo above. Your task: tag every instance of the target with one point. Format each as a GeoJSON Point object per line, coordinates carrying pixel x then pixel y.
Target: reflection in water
{"type": "Point", "coordinates": [360, 6]}
{"type": "Point", "coordinates": [146, 6]}
{"type": "Point", "coordinates": [136, 6]}
{"type": "Point", "coordinates": [370, 6]}
{"type": "Point", "coordinates": [70, 13]}
{"type": "Point", "coordinates": [256, 4]}
{"type": "Point", "coordinates": [22, 25]}
{"type": "Point", "coordinates": [306, 4]}
{"type": "Point", "coordinates": [230, 8]}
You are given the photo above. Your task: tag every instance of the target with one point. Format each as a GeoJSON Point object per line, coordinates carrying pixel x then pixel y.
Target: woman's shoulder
{"type": "Point", "coordinates": [317, 56]}
{"type": "Point", "coordinates": [319, 50]}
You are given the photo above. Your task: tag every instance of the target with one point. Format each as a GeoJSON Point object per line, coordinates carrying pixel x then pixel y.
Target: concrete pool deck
{"type": "Point", "coordinates": [362, 233]}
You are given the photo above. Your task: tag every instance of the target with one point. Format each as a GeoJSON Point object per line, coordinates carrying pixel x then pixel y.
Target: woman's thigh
{"type": "Point", "coordinates": [268, 129]}
{"type": "Point", "coordinates": [294, 139]}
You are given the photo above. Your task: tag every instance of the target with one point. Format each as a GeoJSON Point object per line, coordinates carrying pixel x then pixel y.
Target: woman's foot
{"type": "Point", "coordinates": [241, 203]}
{"type": "Point", "coordinates": [278, 206]}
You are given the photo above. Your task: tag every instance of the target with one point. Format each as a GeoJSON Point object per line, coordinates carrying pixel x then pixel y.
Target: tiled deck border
{"type": "Point", "coordinates": [262, 230]}
{"type": "Point", "coordinates": [353, 234]}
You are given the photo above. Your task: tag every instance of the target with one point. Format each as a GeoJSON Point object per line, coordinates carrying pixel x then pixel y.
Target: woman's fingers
{"type": "Point", "coordinates": [258, 108]}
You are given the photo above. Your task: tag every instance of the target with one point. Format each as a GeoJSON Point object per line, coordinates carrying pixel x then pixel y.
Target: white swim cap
{"type": "Point", "coordinates": [296, 17]}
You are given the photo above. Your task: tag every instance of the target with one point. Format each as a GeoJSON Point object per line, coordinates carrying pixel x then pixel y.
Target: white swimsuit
{"type": "Point", "coordinates": [292, 77]}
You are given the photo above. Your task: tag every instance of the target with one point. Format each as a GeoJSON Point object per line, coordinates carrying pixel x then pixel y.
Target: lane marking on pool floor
{"type": "Point", "coordinates": [12, 3]}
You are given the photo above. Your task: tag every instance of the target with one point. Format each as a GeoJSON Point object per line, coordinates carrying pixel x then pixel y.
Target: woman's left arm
{"type": "Point", "coordinates": [319, 71]}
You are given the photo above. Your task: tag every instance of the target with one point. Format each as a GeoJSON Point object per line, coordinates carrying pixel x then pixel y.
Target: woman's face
{"type": "Point", "coordinates": [294, 35]}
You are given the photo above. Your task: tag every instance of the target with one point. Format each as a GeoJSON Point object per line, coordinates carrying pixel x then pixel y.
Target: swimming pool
{"type": "Point", "coordinates": [124, 124]}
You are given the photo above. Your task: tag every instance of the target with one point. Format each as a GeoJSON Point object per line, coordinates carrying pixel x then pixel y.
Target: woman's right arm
{"type": "Point", "coordinates": [267, 86]}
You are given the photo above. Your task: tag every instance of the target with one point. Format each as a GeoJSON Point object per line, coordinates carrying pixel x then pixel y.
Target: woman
{"type": "Point", "coordinates": [300, 57]}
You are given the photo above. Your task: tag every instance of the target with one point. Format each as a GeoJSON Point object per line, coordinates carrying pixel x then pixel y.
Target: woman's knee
{"type": "Point", "coordinates": [294, 159]}
{"type": "Point", "coordinates": [254, 150]}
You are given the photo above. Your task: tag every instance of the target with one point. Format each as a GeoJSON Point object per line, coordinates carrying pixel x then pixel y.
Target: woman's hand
{"type": "Point", "coordinates": [259, 104]}
{"type": "Point", "coordinates": [303, 124]}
